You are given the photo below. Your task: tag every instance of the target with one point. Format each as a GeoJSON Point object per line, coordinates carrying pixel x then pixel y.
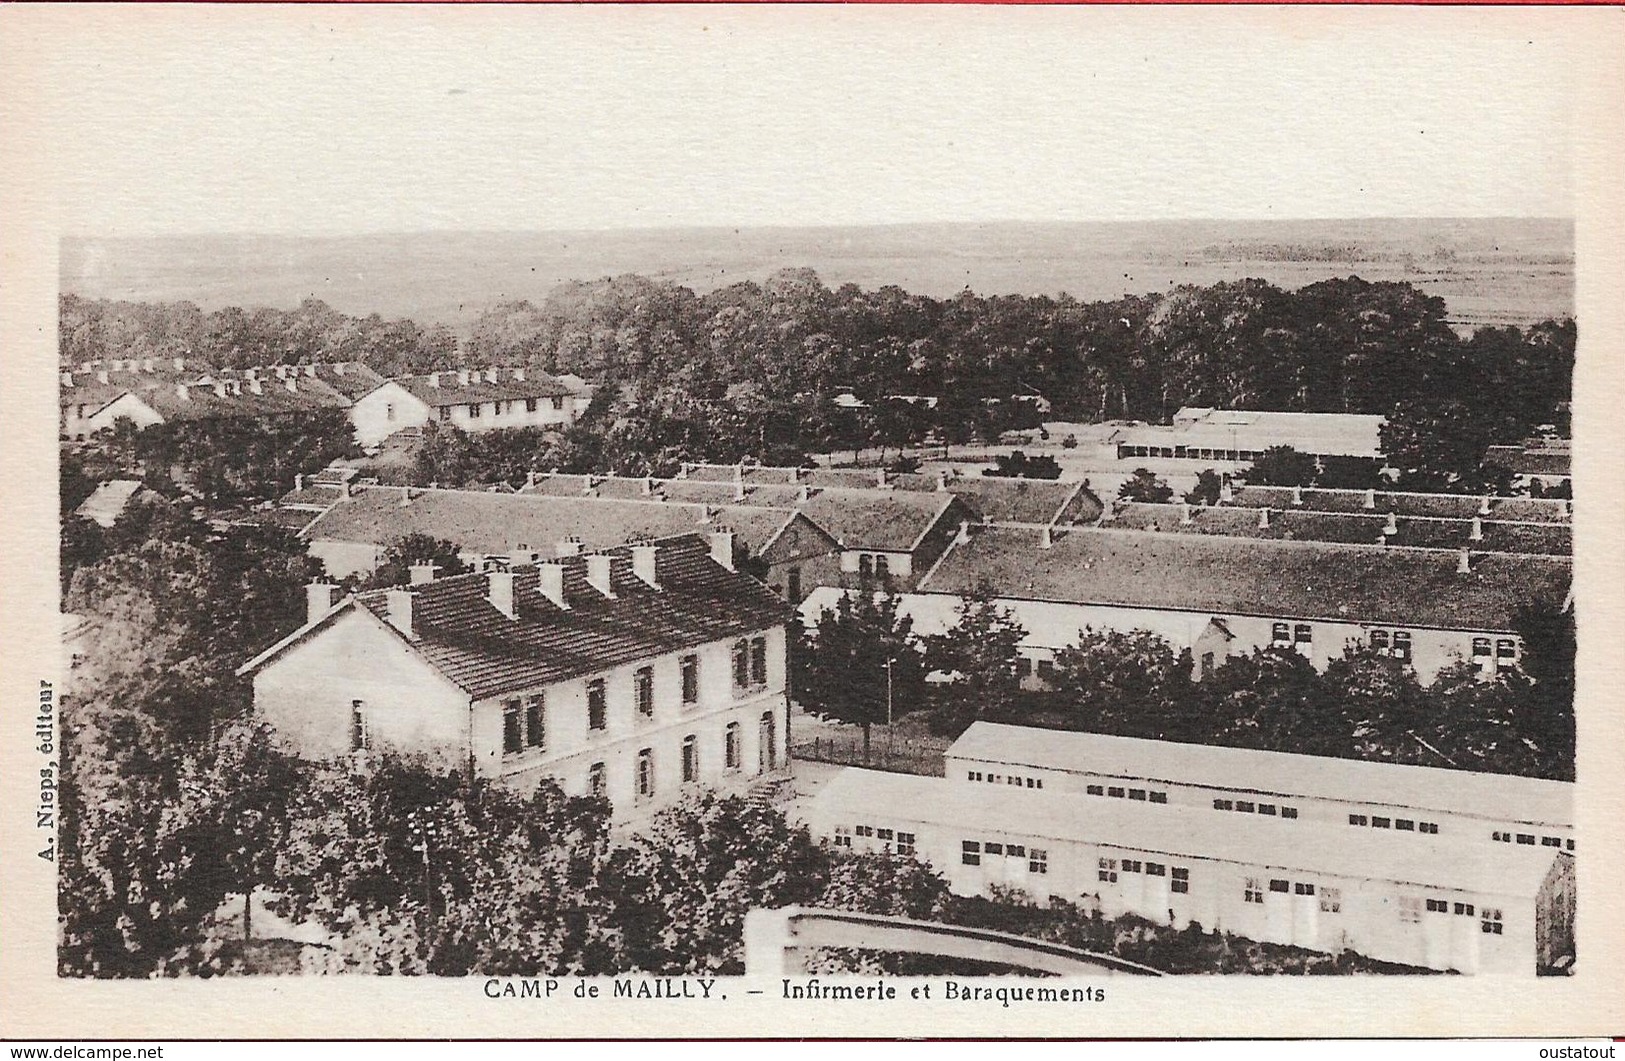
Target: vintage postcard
{"type": "Point", "coordinates": [533, 522]}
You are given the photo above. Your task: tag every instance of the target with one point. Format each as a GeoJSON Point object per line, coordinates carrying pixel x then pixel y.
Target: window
{"type": "Point", "coordinates": [558, 402]}
{"type": "Point", "coordinates": [1490, 921]}
{"type": "Point", "coordinates": [866, 566]}
{"type": "Point", "coordinates": [993, 849]}
{"type": "Point", "coordinates": [1438, 906]}
{"type": "Point", "coordinates": [1114, 791]}
{"type": "Point", "coordinates": [690, 668]}
{"type": "Point", "coordinates": [1379, 642]}
{"type": "Point", "coordinates": [1155, 869]}
{"type": "Point", "coordinates": [1038, 861]}
{"type": "Point", "coordinates": [969, 853]}
{"type": "Point", "coordinates": [1505, 838]}
{"type": "Point", "coordinates": [1427, 827]}
{"type": "Point", "coordinates": [1303, 634]}
{"type": "Point", "coordinates": [1402, 645]}
{"type": "Point", "coordinates": [883, 834]}
{"type": "Point", "coordinates": [445, 413]}
{"type": "Point", "coordinates": [1223, 804]}
{"type": "Point", "coordinates": [730, 746]}
{"type": "Point", "coordinates": [1095, 790]}
{"type": "Point", "coordinates": [474, 410]}
{"type": "Point", "coordinates": [1551, 841]}
{"type": "Point", "coordinates": [1506, 648]}
{"type": "Point", "coordinates": [597, 705]}
{"type": "Point", "coordinates": [1016, 850]}
{"type": "Point", "coordinates": [597, 781]}
{"type": "Point", "coordinates": [1568, 845]}
{"type": "Point", "coordinates": [865, 830]}
{"type": "Point", "coordinates": [794, 579]}
{"type": "Point", "coordinates": [646, 773]}
{"type": "Point", "coordinates": [1281, 634]}
{"type": "Point", "coordinates": [758, 661]}
{"type": "Point", "coordinates": [691, 759]}
{"type": "Point", "coordinates": [1526, 838]}
{"type": "Point", "coordinates": [1025, 666]}
{"type": "Point", "coordinates": [1131, 865]}
{"type": "Point", "coordinates": [1331, 900]}
{"type": "Point", "coordinates": [643, 681]}
{"type": "Point", "coordinates": [513, 728]}
{"type": "Point", "coordinates": [1405, 825]}
{"type": "Point", "coordinates": [1156, 797]}
{"type": "Point", "coordinates": [1410, 909]}
{"type": "Point", "coordinates": [359, 737]}
{"type": "Point", "coordinates": [535, 722]}
{"type": "Point", "coordinates": [1137, 793]}
{"type": "Point", "coordinates": [1244, 806]}
{"type": "Point", "coordinates": [905, 843]}
{"type": "Point", "coordinates": [530, 405]}
{"type": "Point", "coordinates": [1013, 780]}
{"type": "Point", "coordinates": [1108, 870]}
{"type": "Point", "coordinates": [843, 836]}
{"type": "Point", "coordinates": [1289, 812]}
{"type": "Point", "coordinates": [1207, 663]}
{"type": "Point", "coordinates": [1278, 886]}
{"type": "Point", "coordinates": [1181, 880]}
{"type": "Point", "coordinates": [1481, 647]}
{"type": "Point", "coordinates": [1046, 669]}
{"type": "Point", "coordinates": [389, 410]}
{"type": "Point", "coordinates": [1379, 823]}
{"type": "Point", "coordinates": [1267, 809]}
{"type": "Point", "coordinates": [973, 775]}
{"type": "Point", "coordinates": [741, 659]}
{"type": "Point", "coordinates": [1301, 888]}
{"type": "Point", "coordinates": [882, 568]}
{"type": "Point", "coordinates": [1251, 892]}
{"type": "Point", "coordinates": [1357, 819]}
{"type": "Point", "coordinates": [1464, 909]}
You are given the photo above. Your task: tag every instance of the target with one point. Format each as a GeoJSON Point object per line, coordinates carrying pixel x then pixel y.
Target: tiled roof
{"type": "Point", "coordinates": [1341, 434]}
{"type": "Point", "coordinates": [1522, 461]}
{"type": "Point", "coordinates": [1005, 500]}
{"type": "Point", "coordinates": [487, 653]}
{"type": "Point", "coordinates": [204, 402]}
{"type": "Point", "coordinates": [448, 388]}
{"type": "Point", "coordinates": [496, 524]}
{"type": "Point", "coordinates": [890, 521]}
{"type": "Point", "coordinates": [993, 812]}
{"type": "Point", "coordinates": [1369, 584]}
{"type": "Point", "coordinates": [1349, 527]}
{"type": "Point", "coordinates": [1497, 797]}
{"type": "Point", "coordinates": [1454, 506]}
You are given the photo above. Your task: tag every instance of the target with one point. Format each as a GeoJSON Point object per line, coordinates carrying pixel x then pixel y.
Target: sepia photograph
{"type": "Point", "coordinates": [798, 503]}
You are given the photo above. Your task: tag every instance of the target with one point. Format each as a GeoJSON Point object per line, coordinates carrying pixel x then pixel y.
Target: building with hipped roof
{"type": "Point", "coordinates": [636, 673]}
{"type": "Point", "coordinates": [1421, 900]}
{"type": "Point", "coordinates": [255, 394]}
{"type": "Point", "coordinates": [469, 399]}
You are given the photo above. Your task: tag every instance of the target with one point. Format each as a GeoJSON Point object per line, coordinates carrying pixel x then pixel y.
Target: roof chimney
{"type": "Point", "coordinates": [1370, 499]}
{"type": "Point", "coordinates": [1464, 563]}
{"type": "Point", "coordinates": [550, 575]}
{"type": "Point", "coordinates": [1227, 493]}
{"type": "Point", "coordinates": [1483, 506]}
{"type": "Point", "coordinates": [570, 546]}
{"type": "Point", "coordinates": [319, 600]}
{"type": "Point", "coordinates": [500, 591]}
{"type": "Point", "coordinates": [600, 573]}
{"type": "Point", "coordinates": [406, 496]}
{"type": "Point", "coordinates": [1477, 533]}
{"type": "Point", "coordinates": [1046, 538]}
{"type": "Point", "coordinates": [722, 547]}
{"type": "Point", "coordinates": [101, 376]}
{"type": "Point", "coordinates": [292, 385]}
{"type": "Point", "coordinates": [795, 475]}
{"type": "Point", "coordinates": [299, 480]}
{"type": "Point", "coordinates": [310, 370]}
{"type": "Point", "coordinates": [643, 562]}
{"type": "Point", "coordinates": [434, 379]}
{"type": "Point", "coordinates": [423, 572]}
{"type": "Point", "coordinates": [682, 471]}
{"type": "Point", "coordinates": [339, 368]}
{"type": "Point", "coordinates": [399, 602]}
{"type": "Point", "coordinates": [1392, 526]}
{"type": "Point", "coordinates": [67, 379]}
{"type": "Point", "coordinates": [183, 392]}
{"type": "Point", "coordinates": [1185, 513]}
{"type": "Point", "coordinates": [180, 364]}
{"type": "Point", "coordinates": [518, 375]}
{"type": "Point", "coordinates": [648, 485]}
{"type": "Point", "coordinates": [964, 532]}
{"type": "Point", "coordinates": [255, 386]}
{"type": "Point", "coordinates": [1264, 519]}
{"type": "Point", "coordinates": [880, 479]}
{"type": "Point", "coordinates": [490, 375]}
{"type": "Point", "coordinates": [462, 377]}
{"type": "Point", "coordinates": [147, 366]}
{"type": "Point", "coordinates": [739, 489]}
{"type": "Point", "coordinates": [803, 494]}
{"type": "Point", "coordinates": [1297, 495]}
{"type": "Point", "coordinates": [707, 513]}
{"type": "Point", "coordinates": [942, 480]}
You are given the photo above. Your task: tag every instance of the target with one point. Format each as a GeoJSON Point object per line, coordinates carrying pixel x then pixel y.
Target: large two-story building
{"type": "Point", "coordinates": [636, 673]}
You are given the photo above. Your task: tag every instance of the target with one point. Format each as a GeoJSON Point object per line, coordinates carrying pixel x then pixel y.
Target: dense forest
{"type": "Point", "coordinates": [750, 370]}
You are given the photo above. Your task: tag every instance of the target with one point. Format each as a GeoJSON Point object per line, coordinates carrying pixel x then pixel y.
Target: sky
{"type": "Point", "coordinates": [319, 121]}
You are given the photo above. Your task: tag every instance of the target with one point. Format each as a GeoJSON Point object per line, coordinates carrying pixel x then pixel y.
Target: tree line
{"type": "Point", "coordinates": [863, 664]}
{"type": "Point", "coordinates": [751, 370]}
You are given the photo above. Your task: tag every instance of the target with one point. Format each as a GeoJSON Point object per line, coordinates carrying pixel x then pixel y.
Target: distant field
{"type": "Point", "coordinates": [1494, 271]}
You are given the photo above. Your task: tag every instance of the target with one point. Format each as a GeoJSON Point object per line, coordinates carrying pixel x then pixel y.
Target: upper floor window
{"type": "Point", "coordinates": [513, 728]}
{"type": "Point", "coordinates": [730, 747]}
{"type": "Point", "coordinates": [758, 661]}
{"type": "Point", "coordinates": [691, 759]}
{"type": "Point", "coordinates": [474, 410]}
{"type": "Point", "coordinates": [598, 781]}
{"type": "Point", "coordinates": [646, 773]}
{"type": "Point", "coordinates": [1303, 633]}
{"type": "Point", "coordinates": [741, 662]}
{"type": "Point", "coordinates": [597, 704]}
{"type": "Point", "coordinates": [1251, 891]}
{"type": "Point", "coordinates": [360, 739]}
{"type": "Point", "coordinates": [1331, 900]}
{"type": "Point", "coordinates": [1490, 921]}
{"type": "Point", "coordinates": [691, 679]}
{"type": "Point", "coordinates": [530, 405]}
{"type": "Point", "coordinates": [389, 410]}
{"type": "Point", "coordinates": [535, 722]}
{"type": "Point", "coordinates": [1379, 642]}
{"type": "Point", "coordinates": [558, 402]}
{"type": "Point", "coordinates": [866, 566]}
{"type": "Point", "coordinates": [1402, 645]}
{"type": "Point", "coordinates": [793, 582]}
{"type": "Point", "coordinates": [1481, 647]}
{"type": "Point", "coordinates": [445, 412]}
{"type": "Point", "coordinates": [1181, 881]}
{"type": "Point", "coordinates": [643, 681]}
{"type": "Point", "coordinates": [1281, 633]}
{"type": "Point", "coordinates": [882, 568]}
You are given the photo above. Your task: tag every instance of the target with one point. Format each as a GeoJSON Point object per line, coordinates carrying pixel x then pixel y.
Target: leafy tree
{"type": "Point", "coordinates": [1129, 683]}
{"type": "Point", "coordinates": [860, 664]}
{"type": "Point", "coordinates": [1282, 466]}
{"type": "Point", "coordinates": [1271, 699]}
{"type": "Point", "coordinates": [1207, 488]}
{"type": "Point", "coordinates": [416, 548]}
{"type": "Point", "coordinates": [1019, 465]}
{"type": "Point", "coordinates": [1144, 485]}
{"type": "Point", "coordinates": [1350, 473]}
{"type": "Point", "coordinates": [979, 656]}
{"type": "Point", "coordinates": [1379, 705]}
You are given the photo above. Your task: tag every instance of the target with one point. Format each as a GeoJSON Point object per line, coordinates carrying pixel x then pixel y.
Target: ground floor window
{"type": "Point", "coordinates": [1490, 921]}
{"type": "Point", "coordinates": [646, 773]}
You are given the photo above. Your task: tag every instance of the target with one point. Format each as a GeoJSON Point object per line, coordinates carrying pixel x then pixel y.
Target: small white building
{"type": "Point", "coordinates": [468, 399]}
{"type": "Point", "coordinates": [638, 673]}
{"type": "Point", "coordinates": [1419, 900]}
{"type": "Point", "coordinates": [1243, 435]}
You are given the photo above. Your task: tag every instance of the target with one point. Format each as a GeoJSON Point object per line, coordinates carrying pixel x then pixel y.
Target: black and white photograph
{"type": "Point", "coordinates": [768, 506]}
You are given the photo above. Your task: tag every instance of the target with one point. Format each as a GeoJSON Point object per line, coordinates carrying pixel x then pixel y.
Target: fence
{"type": "Point", "coordinates": [905, 756]}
